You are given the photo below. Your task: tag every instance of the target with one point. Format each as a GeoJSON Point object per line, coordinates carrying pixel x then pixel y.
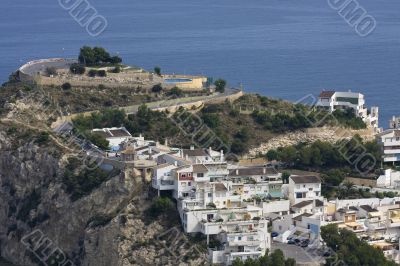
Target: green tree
{"type": "Point", "coordinates": [220, 85]}
{"type": "Point", "coordinates": [350, 250]}
{"type": "Point", "coordinates": [89, 56]}
{"type": "Point", "coordinates": [285, 177]}
{"type": "Point", "coordinates": [211, 120]}
{"type": "Point", "coordinates": [272, 155]}
{"type": "Point", "coordinates": [99, 141]}
{"type": "Point", "coordinates": [157, 70]}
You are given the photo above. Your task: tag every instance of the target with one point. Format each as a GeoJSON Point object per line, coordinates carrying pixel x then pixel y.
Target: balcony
{"type": "Point", "coordinates": [246, 254]}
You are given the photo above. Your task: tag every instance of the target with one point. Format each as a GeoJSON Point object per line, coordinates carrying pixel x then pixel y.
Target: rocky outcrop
{"type": "Point", "coordinates": [310, 135]}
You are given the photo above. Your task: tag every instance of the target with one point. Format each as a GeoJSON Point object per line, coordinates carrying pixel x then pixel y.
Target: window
{"type": "Point", "coordinates": [189, 184]}
{"type": "Point", "coordinates": [310, 189]}
{"type": "Point", "coordinates": [308, 226]}
{"type": "Point", "coordinates": [317, 193]}
{"type": "Point", "coordinates": [299, 195]}
{"type": "Point", "coordinates": [304, 186]}
{"type": "Point", "coordinates": [239, 238]}
{"type": "Point", "coordinates": [209, 195]}
{"type": "Point", "coordinates": [200, 174]}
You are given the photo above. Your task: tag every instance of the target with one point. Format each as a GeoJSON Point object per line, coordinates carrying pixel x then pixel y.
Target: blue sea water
{"type": "Point", "coordinates": [281, 48]}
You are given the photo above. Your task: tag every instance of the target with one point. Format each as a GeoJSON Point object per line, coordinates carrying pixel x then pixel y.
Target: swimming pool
{"type": "Point", "coordinates": [177, 80]}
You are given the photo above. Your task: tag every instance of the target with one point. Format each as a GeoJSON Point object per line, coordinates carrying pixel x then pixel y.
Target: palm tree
{"type": "Point", "coordinates": [349, 186]}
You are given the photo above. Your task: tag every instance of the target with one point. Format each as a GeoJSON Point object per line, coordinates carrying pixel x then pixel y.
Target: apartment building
{"type": "Point", "coordinates": [229, 203]}
{"type": "Point", "coordinates": [390, 142]}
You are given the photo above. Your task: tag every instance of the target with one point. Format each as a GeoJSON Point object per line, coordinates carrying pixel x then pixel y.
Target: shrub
{"type": "Point", "coordinates": [92, 73]}
{"type": "Point", "coordinates": [42, 138]}
{"type": "Point", "coordinates": [161, 205]}
{"type": "Point", "coordinates": [77, 69]}
{"type": "Point", "coordinates": [175, 91]}
{"type": "Point", "coordinates": [51, 71]}
{"type": "Point", "coordinates": [117, 69]}
{"type": "Point", "coordinates": [156, 88]}
{"type": "Point", "coordinates": [66, 86]}
{"type": "Point", "coordinates": [102, 73]}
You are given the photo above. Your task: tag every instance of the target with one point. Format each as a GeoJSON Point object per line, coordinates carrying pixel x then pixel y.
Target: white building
{"type": "Point", "coordinates": [222, 201]}
{"type": "Point", "coordinates": [390, 142]}
{"type": "Point", "coordinates": [333, 100]}
{"type": "Point", "coordinates": [304, 188]}
{"type": "Point", "coordinates": [114, 135]}
{"type": "Point", "coordinates": [394, 123]}
{"type": "Point", "coordinates": [390, 179]}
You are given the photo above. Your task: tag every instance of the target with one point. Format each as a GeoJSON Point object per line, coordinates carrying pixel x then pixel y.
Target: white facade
{"type": "Point", "coordinates": [390, 142]}
{"type": "Point", "coordinates": [334, 100]}
{"type": "Point", "coordinates": [390, 179]}
{"type": "Point", "coordinates": [114, 135]}
{"type": "Point", "coordinates": [302, 188]}
{"type": "Point", "coordinates": [231, 205]}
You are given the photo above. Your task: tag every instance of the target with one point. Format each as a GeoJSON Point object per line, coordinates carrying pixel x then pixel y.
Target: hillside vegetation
{"type": "Point", "coordinates": [240, 125]}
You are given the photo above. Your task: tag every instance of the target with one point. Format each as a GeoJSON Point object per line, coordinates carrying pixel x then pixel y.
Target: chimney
{"type": "Point", "coordinates": [237, 171]}
{"type": "Point", "coordinates": [166, 142]}
{"type": "Point", "coordinates": [176, 163]}
{"type": "Point", "coordinates": [187, 157]}
{"type": "Point", "coordinates": [264, 170]}
{"type": "Point", "coordinates": [222, 156]}
{"type": "Point", "coordinates": [191, 147]}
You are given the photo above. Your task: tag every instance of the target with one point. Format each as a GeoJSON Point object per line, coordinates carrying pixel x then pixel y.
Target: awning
{"type": "Point", "coordinates": [375, 214]}
{"type": "Point", "coordinates": [353, 224]}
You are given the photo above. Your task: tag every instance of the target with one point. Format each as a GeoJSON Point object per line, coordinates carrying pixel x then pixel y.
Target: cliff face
{"type": "Point", "coordinates": [32, 198]}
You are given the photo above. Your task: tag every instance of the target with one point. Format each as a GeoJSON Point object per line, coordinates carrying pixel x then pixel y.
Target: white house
{"type": "Point", "coordinates": [302, 188]}
{"type": "Point", "coordinates": [114, 135]}
{"type": "Point", "coordinates": [334, 100]}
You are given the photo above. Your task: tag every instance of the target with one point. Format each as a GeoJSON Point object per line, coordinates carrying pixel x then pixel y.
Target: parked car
{"type": "Point", "coordinates": [304, 243]}
{"type": "Point", "coordinates": [291, 242]}
{"type": "Point", "coordinates": [274, 234]}
{"type": "Point", "coordinates": [297, 241]}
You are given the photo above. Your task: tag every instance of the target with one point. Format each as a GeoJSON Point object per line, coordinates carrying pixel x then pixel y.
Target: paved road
{"type": "Point", "coordinates": [296, 252]}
